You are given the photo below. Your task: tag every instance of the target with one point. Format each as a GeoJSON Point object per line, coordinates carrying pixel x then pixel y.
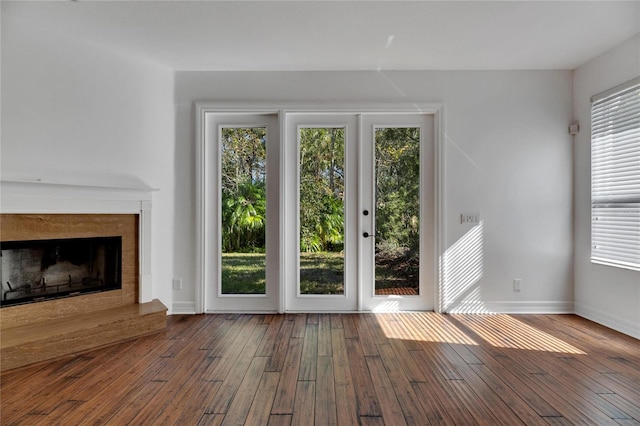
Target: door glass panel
{"type": "Point", "coordinates": [397, 200]}
{"type": "Point", "coordinates": [243, 205]}
{"type": "Point", "coordinates": [321, 210]}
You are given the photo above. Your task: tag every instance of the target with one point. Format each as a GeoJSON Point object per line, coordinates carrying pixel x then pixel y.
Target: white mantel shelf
{"type": "Point", "coordinates": [133, 186]}
{"type": "Point", "coordinates": [50, 196]}
{"type": "Point", "coordinates": [59, 196]}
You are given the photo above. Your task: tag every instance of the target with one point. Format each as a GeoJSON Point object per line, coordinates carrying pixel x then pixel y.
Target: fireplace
{"type": "Point", "coordinates": [39, 270]}
{"type": "Point", "coordinates": [84, 256]}
{"type": "Point", "coordinates": [38, 209]}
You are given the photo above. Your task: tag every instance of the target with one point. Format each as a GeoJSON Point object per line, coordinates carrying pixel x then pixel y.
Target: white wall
{"type": "Point", "coordinates": [508, 157]}
{"type": "Point", "coordinates": [609, 296]}
{"type": "Point", "coordinates": [73, 110]}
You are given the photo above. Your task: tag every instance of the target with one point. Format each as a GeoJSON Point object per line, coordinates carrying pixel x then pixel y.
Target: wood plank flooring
{"type": "Point", "coordinates": [327, 369]}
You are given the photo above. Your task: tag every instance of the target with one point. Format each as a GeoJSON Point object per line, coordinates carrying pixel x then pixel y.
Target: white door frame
{"type": "Point", "coordinates": [212, 298]}
{"type": "Point", "coordinates": [202, 109]}
{"type": "Point", "coordinates": [425, 300]}
{"type": "Point", "coordinates": [294, 301]}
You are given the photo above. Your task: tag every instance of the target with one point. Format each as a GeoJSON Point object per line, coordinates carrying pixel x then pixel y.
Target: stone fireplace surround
{"type": "Point", "coordinates": [41, 196]}
{"type": "Point", "coordinates": [56, 226]}
{"type": "Point", "coordinates": [39, 209]}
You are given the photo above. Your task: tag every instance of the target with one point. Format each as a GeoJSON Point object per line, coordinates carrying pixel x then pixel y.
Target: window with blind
{"type": "Point", "coordinates": [615, 176]}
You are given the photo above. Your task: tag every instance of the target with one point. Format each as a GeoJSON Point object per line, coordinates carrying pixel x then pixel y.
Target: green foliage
{"type": "Point", "coordinates": [321, 189]}
{"type": "Point", "coordinates": [243, 200]}
{"type": "Point", "coordinates": [398, 189]}
{"type": "Point", "coordinates": [397, 207]}
{"type": "Point", "coordinates": [244, 155]}
{"type": "Point", "coordinates": [243, 217]}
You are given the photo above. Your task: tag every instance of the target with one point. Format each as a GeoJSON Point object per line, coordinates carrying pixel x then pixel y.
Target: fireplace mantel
{"type": "Point", "coordinates": [50, 196]}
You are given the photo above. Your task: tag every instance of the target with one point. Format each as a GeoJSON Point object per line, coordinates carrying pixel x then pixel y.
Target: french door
{"type": "Point", "coordinates": [321, 205]}
{"type": "Point", "coordinates": [360, 225]}
{"type": "Point", "coordinates": [397, 212]}
{"type": "Point", "coordinates": [314, 212]}
{"type": "Point", "coordinates": [241, 208]}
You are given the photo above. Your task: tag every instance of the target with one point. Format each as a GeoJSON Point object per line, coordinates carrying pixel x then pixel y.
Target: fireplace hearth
{"type": "Point", "coordinates": [40, 270]}
{"type": "Point", "coordinates": [83, 308]}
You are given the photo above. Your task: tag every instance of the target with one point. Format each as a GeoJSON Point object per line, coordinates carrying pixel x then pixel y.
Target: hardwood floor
{"type": "Point", "coordinates": [369, 369]}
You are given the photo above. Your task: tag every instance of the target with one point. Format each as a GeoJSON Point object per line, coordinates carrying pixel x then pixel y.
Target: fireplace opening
{"type": "Point", "coordinates": [39, 270]}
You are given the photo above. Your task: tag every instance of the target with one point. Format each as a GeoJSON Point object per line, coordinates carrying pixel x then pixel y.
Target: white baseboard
{"type": "Point", "coordinates": [237, 311]}
{"type": "Point", "coordinates": [614, 322]}
{"type": "Point", "coordinates": [467, 307]}
{"type": "Point", "coordinates": [479, 307]}
{"type": "Point", "coordinates": [183, 308]}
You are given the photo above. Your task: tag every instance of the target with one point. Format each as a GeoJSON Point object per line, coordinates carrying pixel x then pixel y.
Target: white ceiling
{"type": "Point", "coordinates": [342, 35]}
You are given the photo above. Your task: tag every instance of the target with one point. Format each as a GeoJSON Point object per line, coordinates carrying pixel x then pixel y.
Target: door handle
{"type": "Point", "coordinates": [367, 235]}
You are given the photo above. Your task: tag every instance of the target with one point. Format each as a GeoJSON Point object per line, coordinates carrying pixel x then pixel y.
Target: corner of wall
{"type": "Point", "coordinates": [615, 322]}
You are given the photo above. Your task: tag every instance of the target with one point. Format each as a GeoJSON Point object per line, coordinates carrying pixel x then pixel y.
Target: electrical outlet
{"type": "Point", "coordinates": [472, 218]}
{"type": "Point", "coordinates": [517, 284]}
{"type": "Point", "coordinates": [177, 283]}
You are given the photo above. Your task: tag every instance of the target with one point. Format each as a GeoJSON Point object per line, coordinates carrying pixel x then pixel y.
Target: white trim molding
{"type": "Point", "coordinates": [183, 308]}
{"type": "Point", "coordinates": [42, 196]}
{"type": "Point", "coordinates": [440, 213]}
{"type": "Point", "coordinates": [282, 109]}
{"type": "Point", "coordinates": [480, 307]}
{"type": "Point", "coordinates": [606, 319]}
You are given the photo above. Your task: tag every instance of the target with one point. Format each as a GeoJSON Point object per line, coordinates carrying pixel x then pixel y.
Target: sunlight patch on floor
{"type": "Point", "coordinates": [505, 331]}
{"type": "Point", "coordinates": [421, 326]}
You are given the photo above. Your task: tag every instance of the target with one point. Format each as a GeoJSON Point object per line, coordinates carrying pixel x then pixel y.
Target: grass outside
{"type": "Point", "coordinates": [243, 273]}
{"type": "Point", "coordinates": [320, 273]}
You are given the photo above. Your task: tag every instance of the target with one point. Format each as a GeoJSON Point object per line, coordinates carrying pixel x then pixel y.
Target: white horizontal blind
{"type": "Point", "coordinates": [615, 177]}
